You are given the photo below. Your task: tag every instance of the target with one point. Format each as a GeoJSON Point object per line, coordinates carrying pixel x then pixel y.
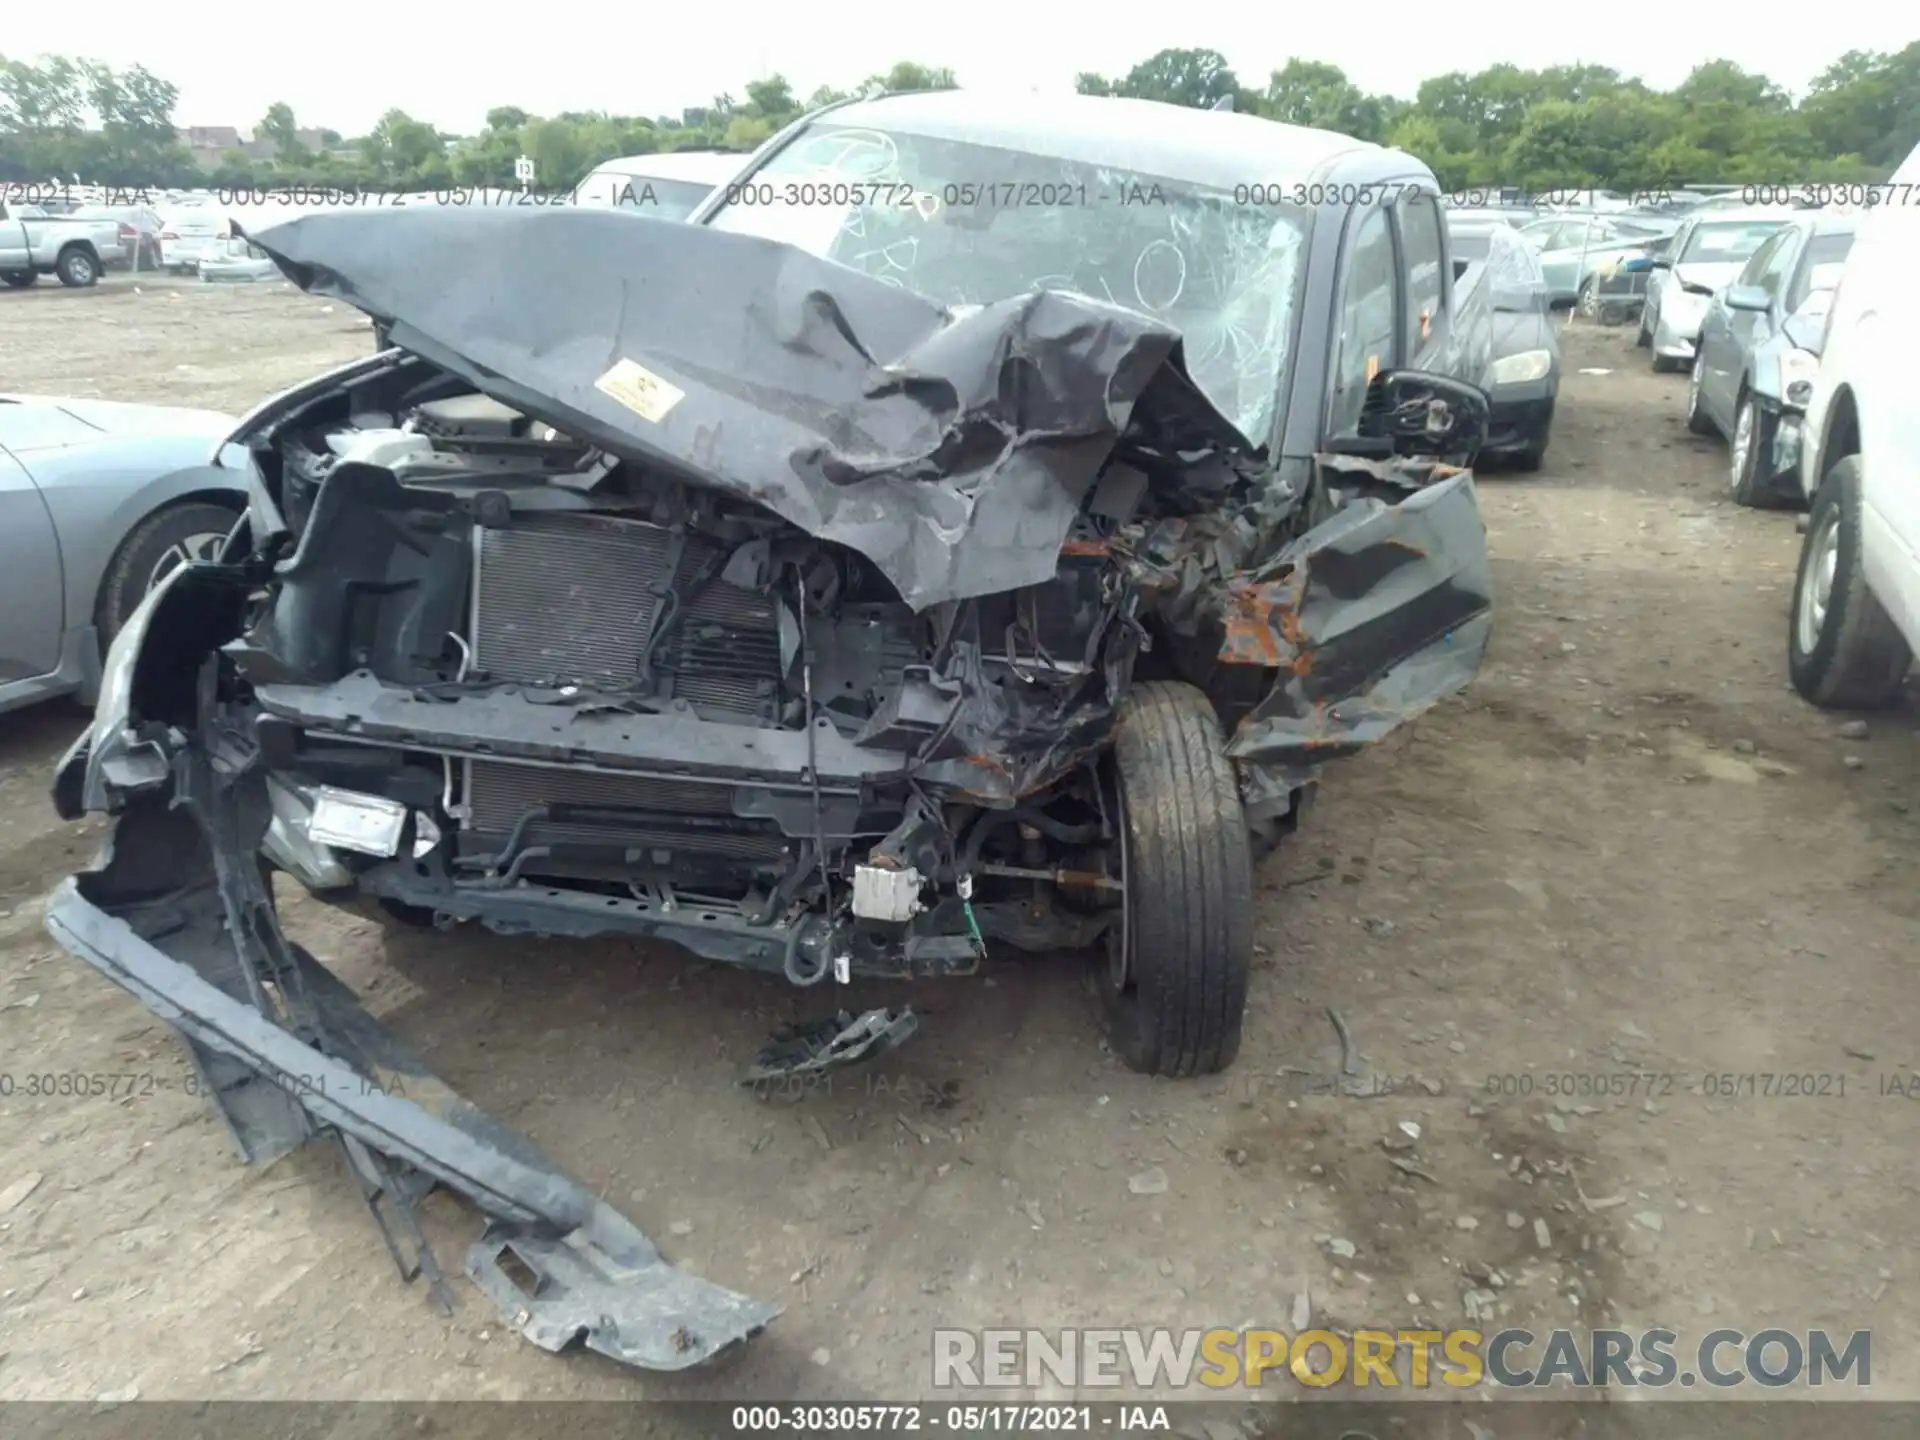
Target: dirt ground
{"type": "Point", "coordinates": [1628, 854]}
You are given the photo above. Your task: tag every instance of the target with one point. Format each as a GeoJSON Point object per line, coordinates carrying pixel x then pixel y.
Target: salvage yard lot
{"type": "Point", "coordinates": [1561, 917]}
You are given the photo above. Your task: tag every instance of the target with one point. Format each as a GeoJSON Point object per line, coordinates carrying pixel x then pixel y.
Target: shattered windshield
{"type": "Point", "coordinates": [968, 224]}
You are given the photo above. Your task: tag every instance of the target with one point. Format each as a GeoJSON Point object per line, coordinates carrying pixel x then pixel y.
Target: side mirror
{"type": "Point", "coordinates": [1417, 413]}
{"type": "Point", "coordinates": [1746, 297]}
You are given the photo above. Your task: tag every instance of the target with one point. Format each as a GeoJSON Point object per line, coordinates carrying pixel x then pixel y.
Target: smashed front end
{"type": "Point", "coordinates": [712, 592]}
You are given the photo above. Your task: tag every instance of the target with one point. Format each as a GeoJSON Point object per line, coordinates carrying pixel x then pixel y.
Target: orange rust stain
{"type": "Point", "coordinates": [1249, 629]}
{"type": "Point", "coordinates": [1094, 546]}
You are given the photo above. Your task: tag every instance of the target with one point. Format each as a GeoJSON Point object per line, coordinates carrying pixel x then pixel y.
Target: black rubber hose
{"type": "Point", "coordinates": [789, 968]}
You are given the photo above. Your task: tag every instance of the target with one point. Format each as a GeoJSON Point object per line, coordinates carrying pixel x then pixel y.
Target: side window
{"type": "Point", "coordinates": [1423, 253]}
{"type": "Point", "coordinates": [1786, 249]}
{"type": "Point", "coordinates": [1369, 320]}
{"type": "Point", "coordinates": [1757, 262]}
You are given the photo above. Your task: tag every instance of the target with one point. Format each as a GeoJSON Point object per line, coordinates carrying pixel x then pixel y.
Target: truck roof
{"type": "Point", "coordinates": [1215, 148]}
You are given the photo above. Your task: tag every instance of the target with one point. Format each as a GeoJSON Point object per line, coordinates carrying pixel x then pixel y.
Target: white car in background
{"type": "Point", "coordinates": [191, 234]}
{"type": "Point", "coordinates": [1856, 600]}
{"type": "Point", "coordinates": [667, 186]}
{"type": "Point", "coordinates": [1708, 252]}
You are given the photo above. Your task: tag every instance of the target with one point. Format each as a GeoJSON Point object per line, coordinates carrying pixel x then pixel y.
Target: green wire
{"type": "Point", "coordinates": [973, 927]}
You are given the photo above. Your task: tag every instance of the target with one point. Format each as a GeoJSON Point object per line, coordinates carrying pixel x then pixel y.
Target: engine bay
{"type": "Point", "coordinates": [566, 672]}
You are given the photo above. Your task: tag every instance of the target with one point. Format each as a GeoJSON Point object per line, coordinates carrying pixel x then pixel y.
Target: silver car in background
{"type": "Point", "coordinates": [98, 502]}
{"type": "Point", "coordinates": [1759, 352]}
{"type": "Point", "coordinates": [1575, 250]}
{"type": "Point", "coordinates": [1707, 252]}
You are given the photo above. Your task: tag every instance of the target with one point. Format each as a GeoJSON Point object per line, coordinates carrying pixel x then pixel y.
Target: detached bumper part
{"type": "Point", "coordinates": [613, 1293]}
{"type": "Point", "coordinates": [593, 1277]}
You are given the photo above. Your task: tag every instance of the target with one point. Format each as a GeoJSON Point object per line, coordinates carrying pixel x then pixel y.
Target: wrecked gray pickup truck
{"type": "Point", "coordinates": [919, 579]}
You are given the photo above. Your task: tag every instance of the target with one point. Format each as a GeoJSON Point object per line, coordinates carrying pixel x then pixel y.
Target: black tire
{"type": "Point", "coordinates": [1178, 1007]}
{"type": "Point", "coordinates": [1857, 657]}
{"type": "Point", "coordinates": [1664, 364]}
{"type": "Point", "coordinates": [1643, 339]}
{"type": "Point", "coordinates": [1529, 458]}
{"type": "Point", "coordinates": [1698, 421]}
{"type": "Point", "coordinates": [20, 279]}
{"type": "Point", "coordinates": [1749, 480]}
{"type": "Point", "coordinates": [141, 554]}
{"type": "Point", "coordinates": [77, 267]}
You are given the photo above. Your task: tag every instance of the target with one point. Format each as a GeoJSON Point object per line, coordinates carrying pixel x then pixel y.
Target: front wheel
{"type": "Point", "coordinates": [1843, 651]}
{"type": "Point", "coordinates": [20, 279]}
{"type": "Point", "coordinates": [1173, 983]}
{"type": "Point", "coordinates": [154, 549]}
{"type": "Point", "coordinates": [1587, 302]}
{"type": "Point", "coordinates": [77, 268]}
{"type": "Point", "coordinates": [1698, 422]}
{"type": "Point", "coordinates": [1750, 457]}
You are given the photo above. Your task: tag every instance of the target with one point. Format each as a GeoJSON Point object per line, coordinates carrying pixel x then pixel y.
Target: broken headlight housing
{"type": "Point", "coordinates": [1797, 371]}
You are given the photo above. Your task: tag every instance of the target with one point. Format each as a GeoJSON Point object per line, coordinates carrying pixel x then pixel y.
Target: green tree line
{"type": "Point", "coordinates": [1563, 126]}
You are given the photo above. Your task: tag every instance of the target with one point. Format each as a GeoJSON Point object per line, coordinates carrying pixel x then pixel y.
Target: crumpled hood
{"type": "Point", "coordinates": [951, 449]}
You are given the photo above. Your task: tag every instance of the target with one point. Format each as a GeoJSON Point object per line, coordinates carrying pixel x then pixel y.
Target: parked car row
{"type": "Point", "coordinates": [1758, 350]}
{"type": "Point", "coordinates": [1796, 326]}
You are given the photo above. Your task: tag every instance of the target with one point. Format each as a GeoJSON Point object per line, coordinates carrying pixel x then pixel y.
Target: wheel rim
{"type": "Point", "coordinates": [1742, 442]}
{"type": "Point", "coordinates": [82, 268]}
{"type": "Point", "coordinates": [203, 546]}
{"type": "Point", "coordinates": [1821, 562]}
{"type": "Point", "coordinates": [1589, 302]}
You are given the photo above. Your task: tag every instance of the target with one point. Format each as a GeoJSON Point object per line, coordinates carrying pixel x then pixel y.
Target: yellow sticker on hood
{"type": "Point", "coordinates": [640, 390]}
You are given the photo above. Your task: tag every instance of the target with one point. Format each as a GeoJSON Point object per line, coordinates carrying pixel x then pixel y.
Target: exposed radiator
{"type": "Point", "coordinates": [573, 598]}
{"type": "Point", "coordinates": [500, 793]}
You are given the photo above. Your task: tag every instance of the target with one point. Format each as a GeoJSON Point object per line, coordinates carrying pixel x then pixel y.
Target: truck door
{"type": "Point", "coordinates": [1432, 341]}
{"type": "Point", "coordinates": [13, 244]}
{"type": "Point", "coordinates": [33, 617]}
{"type": "Point", "coordinates": [1366, 316]}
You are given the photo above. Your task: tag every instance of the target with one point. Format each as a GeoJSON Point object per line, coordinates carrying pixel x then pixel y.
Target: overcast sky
{"type": "Point", "coordinates": [343, 62]}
